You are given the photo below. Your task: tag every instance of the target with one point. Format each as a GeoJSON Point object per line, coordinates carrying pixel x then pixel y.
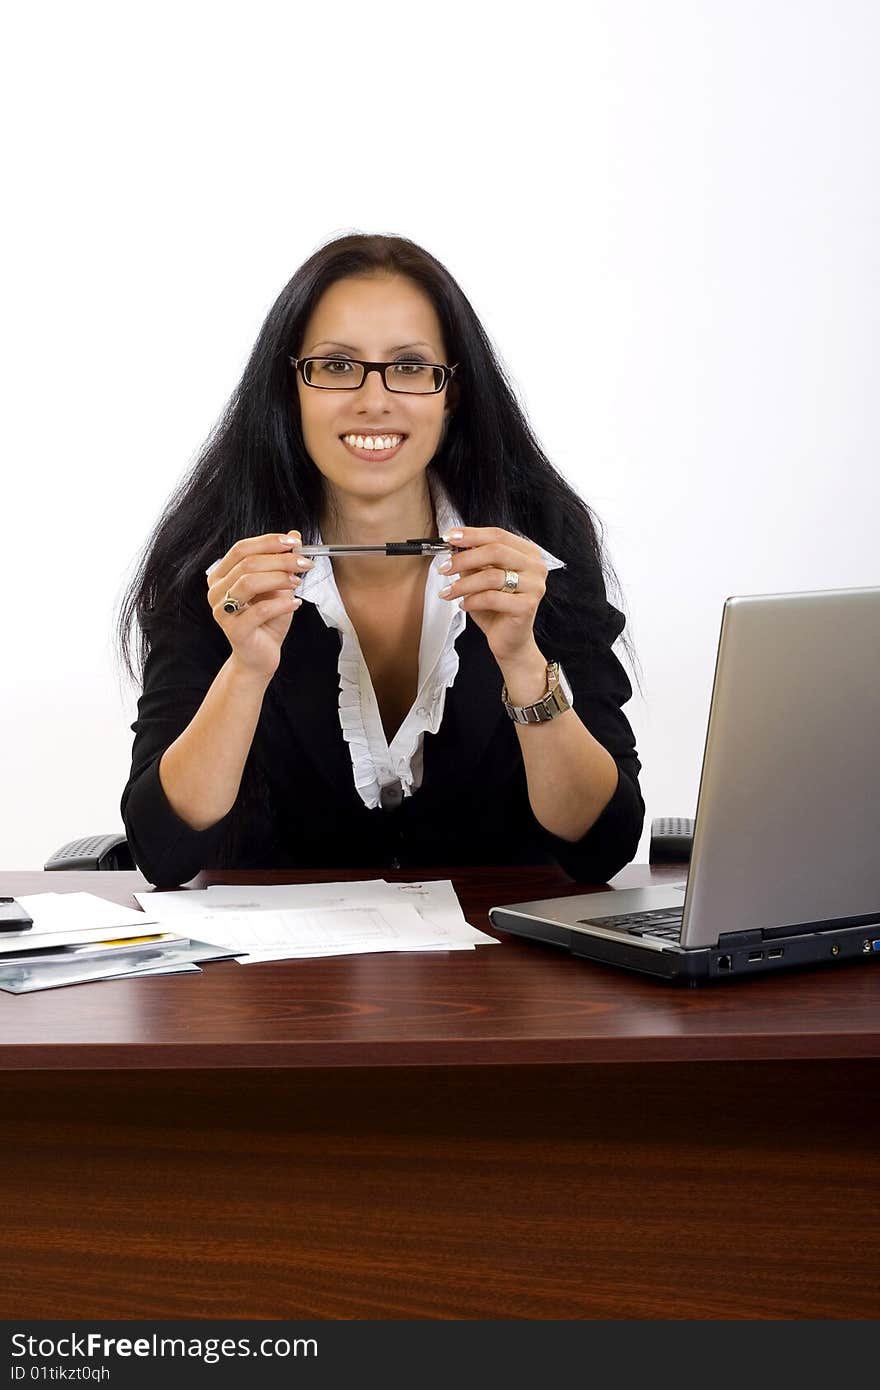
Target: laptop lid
{"type": "Point", "coordinates": [787, 829]}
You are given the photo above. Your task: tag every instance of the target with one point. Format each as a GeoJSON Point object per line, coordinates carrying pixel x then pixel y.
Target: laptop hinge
{"type": "Point", "coordinates": [863, 919]}
{"type": "Point", "coordinates": [749, 938]}
{"type": "Point", "coordinates": [740, 938]}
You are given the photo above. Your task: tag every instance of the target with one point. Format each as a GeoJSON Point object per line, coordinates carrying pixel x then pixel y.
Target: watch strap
{"type": "Point", "coordinates": [552, 703]}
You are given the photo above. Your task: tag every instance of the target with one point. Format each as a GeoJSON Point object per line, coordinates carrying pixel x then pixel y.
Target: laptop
{"type": "Point", "coordinates": [785, 863]}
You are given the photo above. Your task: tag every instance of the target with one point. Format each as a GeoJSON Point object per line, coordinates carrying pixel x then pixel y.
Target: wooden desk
{"type": "Point", "coordinates": [507, 1133]}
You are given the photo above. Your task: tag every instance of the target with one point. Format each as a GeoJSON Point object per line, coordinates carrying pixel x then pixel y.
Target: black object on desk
{"type": "Point", "coordinates": [13, 916]}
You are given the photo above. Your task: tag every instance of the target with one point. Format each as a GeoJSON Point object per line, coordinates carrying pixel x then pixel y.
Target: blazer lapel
{"type": "Point", "coordinates": [306, 690]}
{"type": "Point", "coordinates": [473, 714]}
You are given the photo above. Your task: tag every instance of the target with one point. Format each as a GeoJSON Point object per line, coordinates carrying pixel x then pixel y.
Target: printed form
{"type": "Point", "coordinates": [282, 921]}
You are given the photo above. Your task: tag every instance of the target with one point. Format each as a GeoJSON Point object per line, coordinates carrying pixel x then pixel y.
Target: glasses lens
{"type": "Point", "coordinates": [333, 373]}
{"type": "Point", "coordinates": [416, 377]}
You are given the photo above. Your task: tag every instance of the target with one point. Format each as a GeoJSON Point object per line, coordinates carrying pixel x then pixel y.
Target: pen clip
{"type": "Point", "coordinates": [425, 545]}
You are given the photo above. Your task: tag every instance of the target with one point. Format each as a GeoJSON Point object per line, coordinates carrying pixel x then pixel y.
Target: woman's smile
{"type": "Point", "coordinates": [371, 453]}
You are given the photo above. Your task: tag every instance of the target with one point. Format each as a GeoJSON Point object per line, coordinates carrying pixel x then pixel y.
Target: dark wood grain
{"type": "Point", "coordinates": [699, 1190]}
{"type": "Point", "coordinates": [506, 1133]}
{"type": "Point", "coordinates": [516, 1003]}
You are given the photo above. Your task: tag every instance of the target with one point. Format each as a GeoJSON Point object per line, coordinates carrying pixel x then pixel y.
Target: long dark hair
{"type": "Point", "coordinates": [253, 474]}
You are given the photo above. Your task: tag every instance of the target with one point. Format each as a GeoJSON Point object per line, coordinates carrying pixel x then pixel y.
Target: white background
{"type": "Point", "coordinates": [683, 194]}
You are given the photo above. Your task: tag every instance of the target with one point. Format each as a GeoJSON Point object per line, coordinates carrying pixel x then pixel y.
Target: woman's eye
{"type": "Point", "coordinates": [409, 368]}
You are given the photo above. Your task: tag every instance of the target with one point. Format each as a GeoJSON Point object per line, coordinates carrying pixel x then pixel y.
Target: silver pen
{"type": "Point", "coordinates": [426, 546]}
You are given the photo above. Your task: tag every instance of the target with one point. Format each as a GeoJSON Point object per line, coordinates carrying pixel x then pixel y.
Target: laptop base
{"type": "Point", "coordinates": [696, 965]}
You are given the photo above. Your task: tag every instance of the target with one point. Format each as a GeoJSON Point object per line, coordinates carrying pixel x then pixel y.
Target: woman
{"type": "Point", "coordinates": [365, 709]}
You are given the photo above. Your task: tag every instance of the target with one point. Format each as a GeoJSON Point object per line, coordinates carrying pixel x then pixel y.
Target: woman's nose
{"type": "Point", "coordinates": [373, 390]}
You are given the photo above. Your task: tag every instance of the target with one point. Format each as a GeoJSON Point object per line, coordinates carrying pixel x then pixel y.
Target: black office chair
{"type": "Point", "coordinates": [93, 852]}
{"type": "Point", "coordinates": [671, 840]}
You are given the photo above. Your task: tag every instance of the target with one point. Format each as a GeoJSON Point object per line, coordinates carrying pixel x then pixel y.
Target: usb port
{"type": "Point", "coordinates": [774, 955]}
{"type": "Point", "coordinates": [756, 955]}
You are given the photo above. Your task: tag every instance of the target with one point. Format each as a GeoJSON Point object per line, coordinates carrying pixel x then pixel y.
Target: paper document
{"type": "Point", "coordinates": [62, 919]}
{"type": "Point", "coordinates": [255, 897]}
{"type": "Point", "coordinates": [86, 950]}
{"type": "Point", "coordinates": [333, 931]}
{"type": "Point", "coordinates": [26, 977]}
{"type": "Point", "coordinates": [435, 902]}
{"type": "Point", "coordinates": [72, 911]}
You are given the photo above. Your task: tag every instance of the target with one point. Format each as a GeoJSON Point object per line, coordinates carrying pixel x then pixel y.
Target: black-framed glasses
{"type": "Point", "coordinates": [347, 374]}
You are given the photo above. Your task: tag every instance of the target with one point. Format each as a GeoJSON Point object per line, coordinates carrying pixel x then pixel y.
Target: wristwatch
{"type": "Point", "coordinates": [556, 701]}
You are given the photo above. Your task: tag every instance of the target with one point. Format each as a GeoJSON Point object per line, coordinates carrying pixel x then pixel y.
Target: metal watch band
{"type": "Point", "coordinates": [551, 704]}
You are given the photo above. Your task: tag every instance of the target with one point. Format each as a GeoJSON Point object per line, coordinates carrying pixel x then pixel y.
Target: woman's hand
{"type": "Point", "coordinates": [263, 574]}
{"type": "Point", "coordinates": [506, 618]}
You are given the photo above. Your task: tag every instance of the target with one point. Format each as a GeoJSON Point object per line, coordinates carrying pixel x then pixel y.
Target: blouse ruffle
{"type": "Point", "coordinates": [375, 763]}
{"type": "Point", "coordinates": [359, 718]}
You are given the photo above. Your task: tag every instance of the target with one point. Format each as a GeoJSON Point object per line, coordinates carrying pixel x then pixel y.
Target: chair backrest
{"type": "Point", "coordinates": [672, 839]}
{"type": "Point", "coordinates": [93, 852]}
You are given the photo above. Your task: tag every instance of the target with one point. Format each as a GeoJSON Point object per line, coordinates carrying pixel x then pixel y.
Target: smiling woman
{"type": "Point", "coordinates": [370, 710]}
{"type": "Point", "coordinates": [365, 392]}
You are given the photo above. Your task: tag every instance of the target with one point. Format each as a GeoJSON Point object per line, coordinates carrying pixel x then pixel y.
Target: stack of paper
{"type": "Point", "coordinates": [77, 937]}
{"type": "Point", "coordinates": [284, 921]}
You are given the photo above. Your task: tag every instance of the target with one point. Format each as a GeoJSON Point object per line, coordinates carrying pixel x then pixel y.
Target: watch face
{"type": "Point", "coordinates": [565, 687]}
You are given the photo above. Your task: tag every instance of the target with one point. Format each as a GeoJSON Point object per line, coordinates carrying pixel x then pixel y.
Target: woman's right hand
{"type": "Point", "coordinates": [262, 572]}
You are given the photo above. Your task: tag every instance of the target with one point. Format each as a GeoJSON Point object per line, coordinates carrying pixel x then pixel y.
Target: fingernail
{"type": "Point", "coordinates": [304, 562]}
{"type": "Point", "coordinates": [452, 535]}
{"type": "Point", "coordinates": [444, 593]}
{"type": "Point", "coordinates": [293, 539]}
{"type": "Point", "coordinates": [445, 567]}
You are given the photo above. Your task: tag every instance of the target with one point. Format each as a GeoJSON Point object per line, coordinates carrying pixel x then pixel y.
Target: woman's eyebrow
{"type": "Point", "coordinates": [328, 342]}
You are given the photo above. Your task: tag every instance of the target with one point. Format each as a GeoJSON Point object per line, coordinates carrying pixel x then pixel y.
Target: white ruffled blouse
{"type": "Point", "coordinates": [386, 772]}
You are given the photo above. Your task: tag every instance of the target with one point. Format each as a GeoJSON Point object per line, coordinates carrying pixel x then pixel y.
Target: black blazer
{"type": "Point", "coordinates": [298, 805]}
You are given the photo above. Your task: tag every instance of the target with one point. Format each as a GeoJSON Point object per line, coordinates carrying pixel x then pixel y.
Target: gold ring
{"type": "Point", "coordinates": [511, 582]}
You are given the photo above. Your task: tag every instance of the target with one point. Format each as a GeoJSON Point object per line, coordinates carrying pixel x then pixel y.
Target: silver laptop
{"type": "Point", "coordinates": [785, 864]}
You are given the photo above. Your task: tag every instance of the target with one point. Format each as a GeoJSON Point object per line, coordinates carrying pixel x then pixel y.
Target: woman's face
{"type": "Point", "coordinates": [377, 319]}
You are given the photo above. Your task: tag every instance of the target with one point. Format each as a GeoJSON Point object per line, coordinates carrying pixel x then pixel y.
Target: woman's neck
{"type": "Point", "coordinates": [348, 520]}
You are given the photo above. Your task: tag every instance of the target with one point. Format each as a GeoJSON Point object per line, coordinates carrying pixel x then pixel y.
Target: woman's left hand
{"type": "Point", "coordinates": [506, 618]}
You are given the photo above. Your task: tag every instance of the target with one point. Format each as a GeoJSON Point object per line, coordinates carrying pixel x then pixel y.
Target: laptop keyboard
{"type": "Point", "coordinates": [664, 922]}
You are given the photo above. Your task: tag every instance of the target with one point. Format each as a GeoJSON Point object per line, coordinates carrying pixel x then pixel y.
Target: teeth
{"type": "Point", "coordinates": [369, 441]}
